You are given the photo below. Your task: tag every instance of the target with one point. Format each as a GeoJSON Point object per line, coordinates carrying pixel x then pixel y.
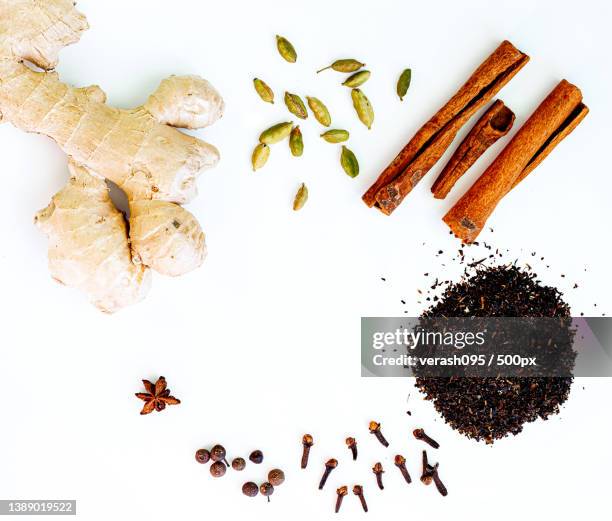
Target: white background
{"type": "Point", "coordinates": [262, 342]}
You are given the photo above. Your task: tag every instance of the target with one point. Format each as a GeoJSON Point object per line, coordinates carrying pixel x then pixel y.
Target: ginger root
{"type": "Point", "coordinates": [138, 149]}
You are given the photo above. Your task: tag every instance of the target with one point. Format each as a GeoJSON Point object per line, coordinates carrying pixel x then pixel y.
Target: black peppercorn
{"type": "Point", "coordinates": [250, 489]}
{"type": "Point", "coordinates": [217, 469]}
{"type": "Point", "coordinates": [238, 463]}
{"type": "Point", "coordinates": [266, 490]}
{"type": "Point", "coordinates": [276, 477]}
{"type": "Point", "coordinates": [202, 456]}
{"type": "Point", "coordinates": [256, 456]}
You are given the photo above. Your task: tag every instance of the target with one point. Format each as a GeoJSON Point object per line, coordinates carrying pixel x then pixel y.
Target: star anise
{"type": "Point", "coordinates": [157, 396]}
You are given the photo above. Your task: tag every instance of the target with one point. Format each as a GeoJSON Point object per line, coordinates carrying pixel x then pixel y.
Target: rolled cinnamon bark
{"type": "Point", "coordinates": [551, 122]}
{"type": "Point", "coordinates": [435, 136]}
{"type": "Point", "coordinates": [494, 123]}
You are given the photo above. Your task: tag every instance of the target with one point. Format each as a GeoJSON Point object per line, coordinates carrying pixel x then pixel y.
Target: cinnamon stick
{"type": "Point", "coordinates": [551, 122]}
{"type": "Point", "coordinates": [435, 136]}
{"type": "Point", "coordinates": [494, 123]}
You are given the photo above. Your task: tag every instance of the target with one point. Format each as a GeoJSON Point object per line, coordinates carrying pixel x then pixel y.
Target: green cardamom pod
{"type": "Point", "coordinates": [319, 110]}
{"type": "Point", "coordinates": [265, 92]}
{"type": "Point", "coordinates": [335, 135]}
{"type": "Point", "coordinates": [260, 156]}
{"type": "Point", "coordinates": [403, 83]}
{"type": "Point", "coordinates": [349, 162]}
{"type": "Point", "coordinates": [300, 197]}
{"type": "Point", "coordinates": [285, 49]}
{"type": "Point", "coordinates": [276, 133]}
{"type": "Point", "coordinates": [296, 143]}
{"type": "Point", "coordinates": [363, 107]}
{"type": "Point", "coordinates": [357, 79]}
{"type": "Point", "coordinates": [295, 105]}
{"type": "Point", "coordinates": [344, 65]}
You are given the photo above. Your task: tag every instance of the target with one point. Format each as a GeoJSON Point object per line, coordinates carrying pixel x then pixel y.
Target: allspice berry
{"type": "Point", "coordinates": [276, 477]}
{"type": "Point", "coordinates": [202, 456]}
{"type": "Point", "coordinates": [250, 489]}
{"type": "Point", "coordinates": [217, 469]}
{"type": "Point", "coordinates": [266, 489]}
{"type": "Point", "coordinates": [256, 456]}
{"type": "Point", "coordinates": [238, 463]}
{"type": "Point", "coordinates": [217, 453]}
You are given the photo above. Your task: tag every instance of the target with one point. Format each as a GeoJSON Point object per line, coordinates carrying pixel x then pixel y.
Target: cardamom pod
{"type": "Point", "coordinates": [260, 156]}
{"type": "Point", "coordinates": [264, 91]}
{"type": "Point", "coordinates": [344, 65]}
{"type": "Point", "coordinates": [335, 135]}
{"type": "Point", "coordinates": [357, 79]}
{"type": "Point", "coordinates": [363, 107]}
{"type": "Point", "coordinates": [285, 49]}
{"type": "Point", "coordinates": [276, 133]}
{"type": "Point", "coordinates": [296, 143]}
{"type": "Point", "coordinates": [295, 105]}
{"type": "Point", "coordinates": [319, 110]}
{"type": "Point", "coordinates": [300, 197]}
{"type": "Point", "coordinates": [349, 162]}
{"type": "Point", "coordinates": [403, 83]}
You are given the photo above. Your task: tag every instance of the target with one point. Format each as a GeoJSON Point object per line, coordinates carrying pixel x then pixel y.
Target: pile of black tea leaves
{"type": "Point", "coordinates": [490, 408]}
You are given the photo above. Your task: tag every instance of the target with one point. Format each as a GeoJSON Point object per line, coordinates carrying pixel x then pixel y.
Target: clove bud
{"type": "Point", "coordinates": [342, 491]}
{"type": "Point", "coordinates": [352, 444]}
{"type": "Point", "coordinates": [375, 429]}
{"type": "Point", "coordinates": [419, 434]}
{"type": "Point", "coordinates": [330, 465]}
{"type": "Point", "coordinates": [307, 442]}
{"type": "Point", "coordinates": [400, 463]}
{"type": "Point", "coordinates": [358, 491]}
{"type": "Point", "coordinates": [378, 470]}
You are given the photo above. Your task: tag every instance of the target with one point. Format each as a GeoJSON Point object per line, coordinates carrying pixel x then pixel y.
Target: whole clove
{"type": "Point", "coordinates": [375, 429]}
{"type": "Point", "coordinates": [330, 465]}
{"type": "Point", "coordinates": [419, 434]}
{"type": "Point", "coordinates": [358, 491]}
{"type": "Point", "coordinates": [436, 478]}
{"type": "Point", "coordinates": [378, 471]}
{"type": "Point", "coordinates": [426, 475]}
{"type": "Point", "coordinates": [400, 463]}
{"type": "Point", "coordinates": [341, 492]}
{"type": "Point", "coordinates": [352, 445]}
{"type": "Point", "coordinates": [307, 442]}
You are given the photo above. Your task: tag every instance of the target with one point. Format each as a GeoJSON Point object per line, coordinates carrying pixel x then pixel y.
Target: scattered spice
{"type": "Point", "coordinates": [378, 472]}
{"type": "Point", "coordinates": [491, 408]}
{"type": "Point", "coordinates": [157, 396]}
{"type": "Point", "coordinates": [217, 453]}
{"type": "Point", "coordinates": [276, 477]}
{"type": "Point", "coordinates": [217, 469]}
{"type": "Point", "coordinates": [319, 110]}
{"type": "Point", "coordinates": [419, 434]}
{"type": "Point", "coordinates": [238, 464]}
{"type": "Point", "coordinates": [307, 442]}
{"type": "Point", "coordinates": [335, 135]}
{"type": "Point", "coordinates": [400, 463]}
{"type": "Point", "coordinates": [363, 107]}
{"type": "Point", "coordinates": [264, 91]}
{"type": "Point", "coordinates": [260, 156]}
{"type": "Point", "coordinates": [250, 489]}
{"type": "Point", "coordinates": [202, 456]}
{"type": "Point", "coordinates": [349, 162]}
{"type": "Point", "coordinates": [357, 79]}
{"type": "Point", "coordinates": [256, 456]}
{"type": "Point", "coordinates": [403, 83]}
{"type": "Point", "coordinates": [375, 429]}
{"type": "Point", "coordinates": [352, 445]}
{"type": "Point", "coordinates": [330, 465]}
{"type": "Point", "coordinates": [341, 492]}
{"type": "Point", "coordinates": [296, 142]}
{"type": "Point", "coordinates": [266, 490]}
{"type": "Point", "coordinates": [344, 65]}
{"type": "Point", "coordinates": [358, 491]}
{"type": "Point", "coordinates": [300, 197]}
{"type": "Point", "coordinates": [286, 49]}
{"type": "Point", "coordinates": [295, 105]}
{"type": "Point", "coordinates": [276, 133]}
